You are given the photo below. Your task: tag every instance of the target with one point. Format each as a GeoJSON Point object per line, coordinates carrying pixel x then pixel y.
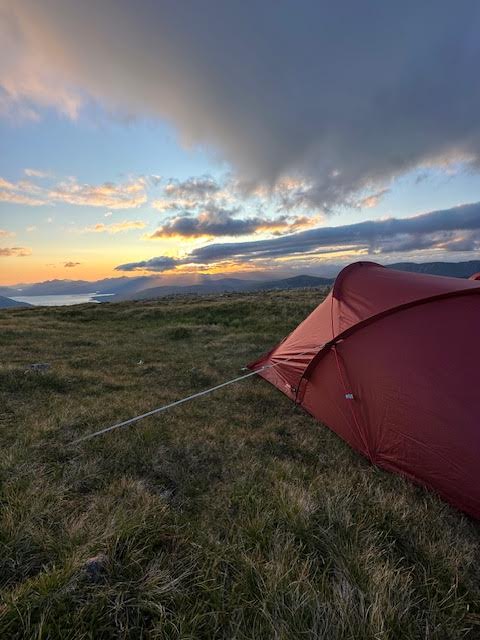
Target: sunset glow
{"type": "Point", "coordinates": [179, 167]}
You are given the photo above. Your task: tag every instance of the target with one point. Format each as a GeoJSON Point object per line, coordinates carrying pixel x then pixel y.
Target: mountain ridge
{"type": "Point", "coordinates": [133, 288]}
{"type": "Point", "coordinates": [456, 269]}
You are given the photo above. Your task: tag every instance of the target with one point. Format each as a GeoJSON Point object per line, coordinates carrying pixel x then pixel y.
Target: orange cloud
{"type": "Point", "coordinates": [218, 222]}
{"type": "Point", "coordinates": [21, 192]}
{"type": "Point", "coordinates": [123, 196]}
{"type": "Point", "coordinates": [371, 201]}
{"type": "Point", "coordinates": [127, 195]}
{"type": "Point", "coordinates": [290, 224]}
{"type": "Point", "coordinates": [18, 252]}
{"type": "Point", "coordinates": [27, 79]}
{"type": "Point", "coordinates": [116, 227]}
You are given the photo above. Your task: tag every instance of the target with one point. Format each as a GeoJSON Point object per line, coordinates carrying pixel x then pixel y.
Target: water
{"type": "Point", "coordinates": [58, 300]}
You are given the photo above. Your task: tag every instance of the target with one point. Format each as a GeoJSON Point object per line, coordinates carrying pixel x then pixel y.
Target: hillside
{"type": "Point", "coordinates": [297, 282]}
{"type": "Point", "coordinates": [8, 303]}
{"type": "Point", "coordinates": [236, 516]}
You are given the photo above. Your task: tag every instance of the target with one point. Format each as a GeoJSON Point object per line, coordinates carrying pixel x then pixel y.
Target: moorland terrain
{"type": "Point", "coordinates": [236, 516]}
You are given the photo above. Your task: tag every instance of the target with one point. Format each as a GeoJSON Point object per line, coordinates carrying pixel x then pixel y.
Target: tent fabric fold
{"type": "Point", "coordinates": [389, 361]}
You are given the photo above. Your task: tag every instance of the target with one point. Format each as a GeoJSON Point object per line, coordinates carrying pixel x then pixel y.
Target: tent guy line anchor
{"type": "Point", "coordinates": [176, 403]}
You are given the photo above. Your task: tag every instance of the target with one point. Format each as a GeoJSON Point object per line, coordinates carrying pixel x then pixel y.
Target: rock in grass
{"type": "Point", "coordinates": [95, 567]}
{"type": "Point", "coordinates": [38, 367]}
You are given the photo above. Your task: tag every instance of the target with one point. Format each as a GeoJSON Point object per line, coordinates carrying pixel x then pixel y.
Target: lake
{"type": "Point", "coordinates": [58, 300]}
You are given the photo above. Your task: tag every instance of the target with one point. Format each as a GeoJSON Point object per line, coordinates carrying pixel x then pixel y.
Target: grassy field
{"type": "Point", "coordinates": [237, 516]}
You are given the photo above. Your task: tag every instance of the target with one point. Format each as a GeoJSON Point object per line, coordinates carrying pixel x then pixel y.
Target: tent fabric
{"type": "Point", "coordinates": [389, 361]}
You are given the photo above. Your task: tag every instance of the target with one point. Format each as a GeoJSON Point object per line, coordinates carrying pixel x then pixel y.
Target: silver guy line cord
{"type": "Point", "coordinates": [188, 398]}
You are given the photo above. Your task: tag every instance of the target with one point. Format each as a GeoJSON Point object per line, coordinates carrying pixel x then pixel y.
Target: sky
{"type": "Point", "coordinates": [182, 139]}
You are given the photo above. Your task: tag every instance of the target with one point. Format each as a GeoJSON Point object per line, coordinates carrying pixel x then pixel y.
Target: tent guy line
{"type": "Point", "coordinates": [416, 402]}
{"type": "Point", "coordinates": [205, 392]}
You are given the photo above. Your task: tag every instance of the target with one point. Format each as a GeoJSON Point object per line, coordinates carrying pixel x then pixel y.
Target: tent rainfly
{"type": "Point", "coordinates": [389, 361]}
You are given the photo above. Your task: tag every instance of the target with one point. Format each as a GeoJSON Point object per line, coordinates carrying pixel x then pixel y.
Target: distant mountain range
{"type": "Point", "coordinates": [456, 270]}
{"type": "Point", "coordinates": [68, 287]}
{"type": "Point", "coordinates": [146, 287]}
{"type": "Point", "coordinates": [452, 269]}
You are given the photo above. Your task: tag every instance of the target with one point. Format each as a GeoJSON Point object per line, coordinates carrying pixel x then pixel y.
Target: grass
{"type": "Point", "coordinates": [237, 516]}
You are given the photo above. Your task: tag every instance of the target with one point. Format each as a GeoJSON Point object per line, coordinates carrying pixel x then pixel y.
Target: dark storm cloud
{"type": "Point", "coordinates": [162, 263]}
{"type": "Point", "coordinates": [215, 221]}
{"type": "Point", "coordinates": [376, 235]}
{"type": "Point", "coordinates": [344, 94]}
{"type": "Point", "coordinates": [207, 225]}
{"type": "Point", "coordinates": [456, 229]}
{"type": "Point", "coordinates": [469, 241]}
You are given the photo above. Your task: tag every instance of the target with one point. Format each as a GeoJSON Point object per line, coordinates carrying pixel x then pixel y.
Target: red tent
{"type": "Point", "coordinates": [390, 361]}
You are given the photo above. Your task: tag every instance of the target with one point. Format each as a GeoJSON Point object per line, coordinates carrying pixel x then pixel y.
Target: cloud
{"type": "Point", "coordinates": [215, 221]}
{"type": "Point", "coordinates": [19, 252]}
{"type": "Point", "coordinates": [6, 234]}
{"type": "Point", "coordinates": [36, 173]}
{"type": "Point", "coordinates": [467, 241]}
{"type": "Point", "coordinates": [114, 196]}
{"type": "Point", "coordinates": [27, 80]}
{"type": "Point", "coordinates": [372, 200]}
{"type": "Point", "coordinates": [197, 188]}
{"type": "Point", "coordinates": [31, 229]}
{"type": "Point", "coordinates": [162, 263]}
{"type": "Point", "coordinates": [344, 95]}
{"type": "Point", "coordinates": [22, 192]}
{"type": "Point", "coordinates": [208, 207]}
{"type": "Point", "coordinates": [126, 195]}
{"type": "Point", "coordinates": [456, 229]}
{"type": "Point", "coordinates": [70, 265]}
{"type": "Point", "coordinates": [194, 192]}
{"type": "Point", "coordinates": [288, 192]}
{"type": "Point", "coordinates": [14, 109]}
{"type": "Point", "coordinates": [116, 227]}
{"type": "Point", "coordinates": [427, 230]}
